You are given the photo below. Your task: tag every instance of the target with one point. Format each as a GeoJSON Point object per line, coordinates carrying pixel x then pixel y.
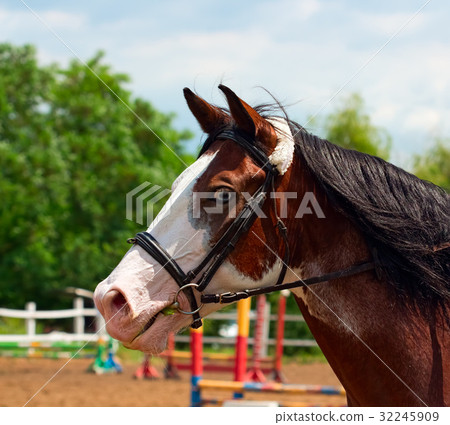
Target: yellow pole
{"type": "Point", "coordinates": [243, 310]}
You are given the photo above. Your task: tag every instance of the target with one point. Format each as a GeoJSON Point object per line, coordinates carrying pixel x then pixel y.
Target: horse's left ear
{"type": "Point", "coordinates": [208, 116]}
{"type": "Point", "coordinates": [246, 118]}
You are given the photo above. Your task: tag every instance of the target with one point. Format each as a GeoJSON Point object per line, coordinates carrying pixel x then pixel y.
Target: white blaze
{"type": "Point", "coordinates": [172, 227]}
{"type": "Point", "coordinates": [138, 276]}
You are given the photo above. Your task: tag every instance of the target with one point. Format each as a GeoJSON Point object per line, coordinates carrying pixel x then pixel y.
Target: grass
{"type": "Point", "coordinates": [11, 325]}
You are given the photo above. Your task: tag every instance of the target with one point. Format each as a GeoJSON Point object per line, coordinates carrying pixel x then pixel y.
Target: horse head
{"type": "Point", "coordinates": [204, 203]}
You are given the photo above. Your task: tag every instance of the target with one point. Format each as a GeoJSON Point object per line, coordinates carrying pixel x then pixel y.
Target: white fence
{"type": "Point", "coordinates": [78, 313]}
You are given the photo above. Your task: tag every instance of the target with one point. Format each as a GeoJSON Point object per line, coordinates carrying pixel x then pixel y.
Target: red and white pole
{"type": "Point", "coordinates": [278, 375]}
{"type": "Point", "coordinates": [255, 374]}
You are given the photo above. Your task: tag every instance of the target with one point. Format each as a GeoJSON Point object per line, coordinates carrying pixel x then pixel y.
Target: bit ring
{"type": "Point", "coordinates": [190, 313]}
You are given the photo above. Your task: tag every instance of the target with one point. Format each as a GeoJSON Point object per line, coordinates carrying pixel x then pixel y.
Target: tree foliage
{"type": "Point", "coordinates": [434, 165]}
{"type": "Point", "coordinates": [351, 127]}
{"type": "Point", "coordinates": [69, 152]}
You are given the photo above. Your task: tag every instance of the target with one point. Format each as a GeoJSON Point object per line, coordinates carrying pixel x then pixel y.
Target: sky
{"type": "Point", "coordinates": [310, 54]}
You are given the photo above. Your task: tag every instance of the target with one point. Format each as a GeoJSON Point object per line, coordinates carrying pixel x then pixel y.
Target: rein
{"type": "Point", "coordinates": [227, 242]}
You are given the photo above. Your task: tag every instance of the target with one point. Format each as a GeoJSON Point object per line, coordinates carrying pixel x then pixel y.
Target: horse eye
{"type": "Point", "coordinates": [223, 195]}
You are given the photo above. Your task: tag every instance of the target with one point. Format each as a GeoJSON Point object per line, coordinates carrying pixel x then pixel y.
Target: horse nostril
{"type": "Point", "coordinates": [119, 303]}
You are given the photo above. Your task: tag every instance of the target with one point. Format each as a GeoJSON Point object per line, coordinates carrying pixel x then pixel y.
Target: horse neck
{"type": "Point", "coordinates": [375, 348]}
{"type": "Point", "coordinates": [325, 242]}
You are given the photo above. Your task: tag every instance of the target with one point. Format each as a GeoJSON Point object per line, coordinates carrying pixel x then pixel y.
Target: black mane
{"type": "Point", "coordinates": [404, 219]}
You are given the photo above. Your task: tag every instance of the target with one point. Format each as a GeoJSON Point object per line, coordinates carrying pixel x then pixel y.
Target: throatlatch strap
{"type": "Point", "coordinates": [230, 297]}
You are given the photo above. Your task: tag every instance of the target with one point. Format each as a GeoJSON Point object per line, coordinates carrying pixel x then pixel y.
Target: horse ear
{"type": "Point", "coordinates": [243, 114]}
{"type": "Point", "coordinates": [209, 117]}
{"type": "Point", "coordinates": [247, 119]}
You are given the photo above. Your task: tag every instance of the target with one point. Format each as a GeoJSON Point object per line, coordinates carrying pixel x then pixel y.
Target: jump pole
{"type": "Point", "coordinates": [255, 374]}
{"type": "Point", "coordinates": [171, 371]}
{"type": "Point", "coordinates": [243, 310]}
{"type": "Point", "coordinates": [240, 369]}
{"type": "Point", "coordinates": [196, 365]}
{"type": "Point", "coordinates": [271, 387]}
{"type": "Point", "coordinates": [278, 375]}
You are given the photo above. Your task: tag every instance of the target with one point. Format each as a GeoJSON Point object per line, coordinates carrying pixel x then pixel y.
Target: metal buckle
{"type": "Point", "coordinates": [176, 304]}
{"type": "Point", "coordinates": [223, 295]}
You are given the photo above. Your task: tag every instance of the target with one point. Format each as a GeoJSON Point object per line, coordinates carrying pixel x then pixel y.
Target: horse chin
{"type": "Point", "coordinates": [154, 339]}
{"type": "Point", "coordinates": [149, 345]}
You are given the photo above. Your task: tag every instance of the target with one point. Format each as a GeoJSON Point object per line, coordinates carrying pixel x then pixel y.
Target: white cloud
{"type": "Point", "coordinates": [386, 24]}
{"type": "Point", "coordinates": [425, 118]}
{"type": "Point", "coordinates": [386, 112]}
{"type": "Point", "coordinates": [299, 50]}
{"type": "Point", "coordinates": [62, 20]}
{"type": "Point", "coordinates": [291, 9]}
{"type": "Point", "coordinates": [16, 21]}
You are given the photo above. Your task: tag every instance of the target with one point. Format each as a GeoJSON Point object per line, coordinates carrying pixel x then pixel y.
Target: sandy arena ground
{"type": "Point", "coordinates": [20, 379]}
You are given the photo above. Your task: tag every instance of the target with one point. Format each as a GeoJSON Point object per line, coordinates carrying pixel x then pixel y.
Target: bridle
{"type": "Point", "coordinates": [227, 242]}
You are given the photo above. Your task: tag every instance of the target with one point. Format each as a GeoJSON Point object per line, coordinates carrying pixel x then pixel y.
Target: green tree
{"type": "Point", "coordinates": [434, 165]}
{"type": "Point", "coordinates": [69, 152]}
{"type": "Point", "coordinates": [27, 185]}
{"type": "Point", "coordinates": [350, 126]}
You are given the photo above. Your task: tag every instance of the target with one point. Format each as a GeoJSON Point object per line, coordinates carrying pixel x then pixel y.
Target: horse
{"type": "Point", "coordinates": [362, 244]}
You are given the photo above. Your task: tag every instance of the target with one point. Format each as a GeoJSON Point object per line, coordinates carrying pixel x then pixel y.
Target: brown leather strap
{"type": "Point", "coordinates": [229, 297]}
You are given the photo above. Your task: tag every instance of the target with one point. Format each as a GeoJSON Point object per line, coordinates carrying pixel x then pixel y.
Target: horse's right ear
{"type": "Point", "coordinates": [208, 116]}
